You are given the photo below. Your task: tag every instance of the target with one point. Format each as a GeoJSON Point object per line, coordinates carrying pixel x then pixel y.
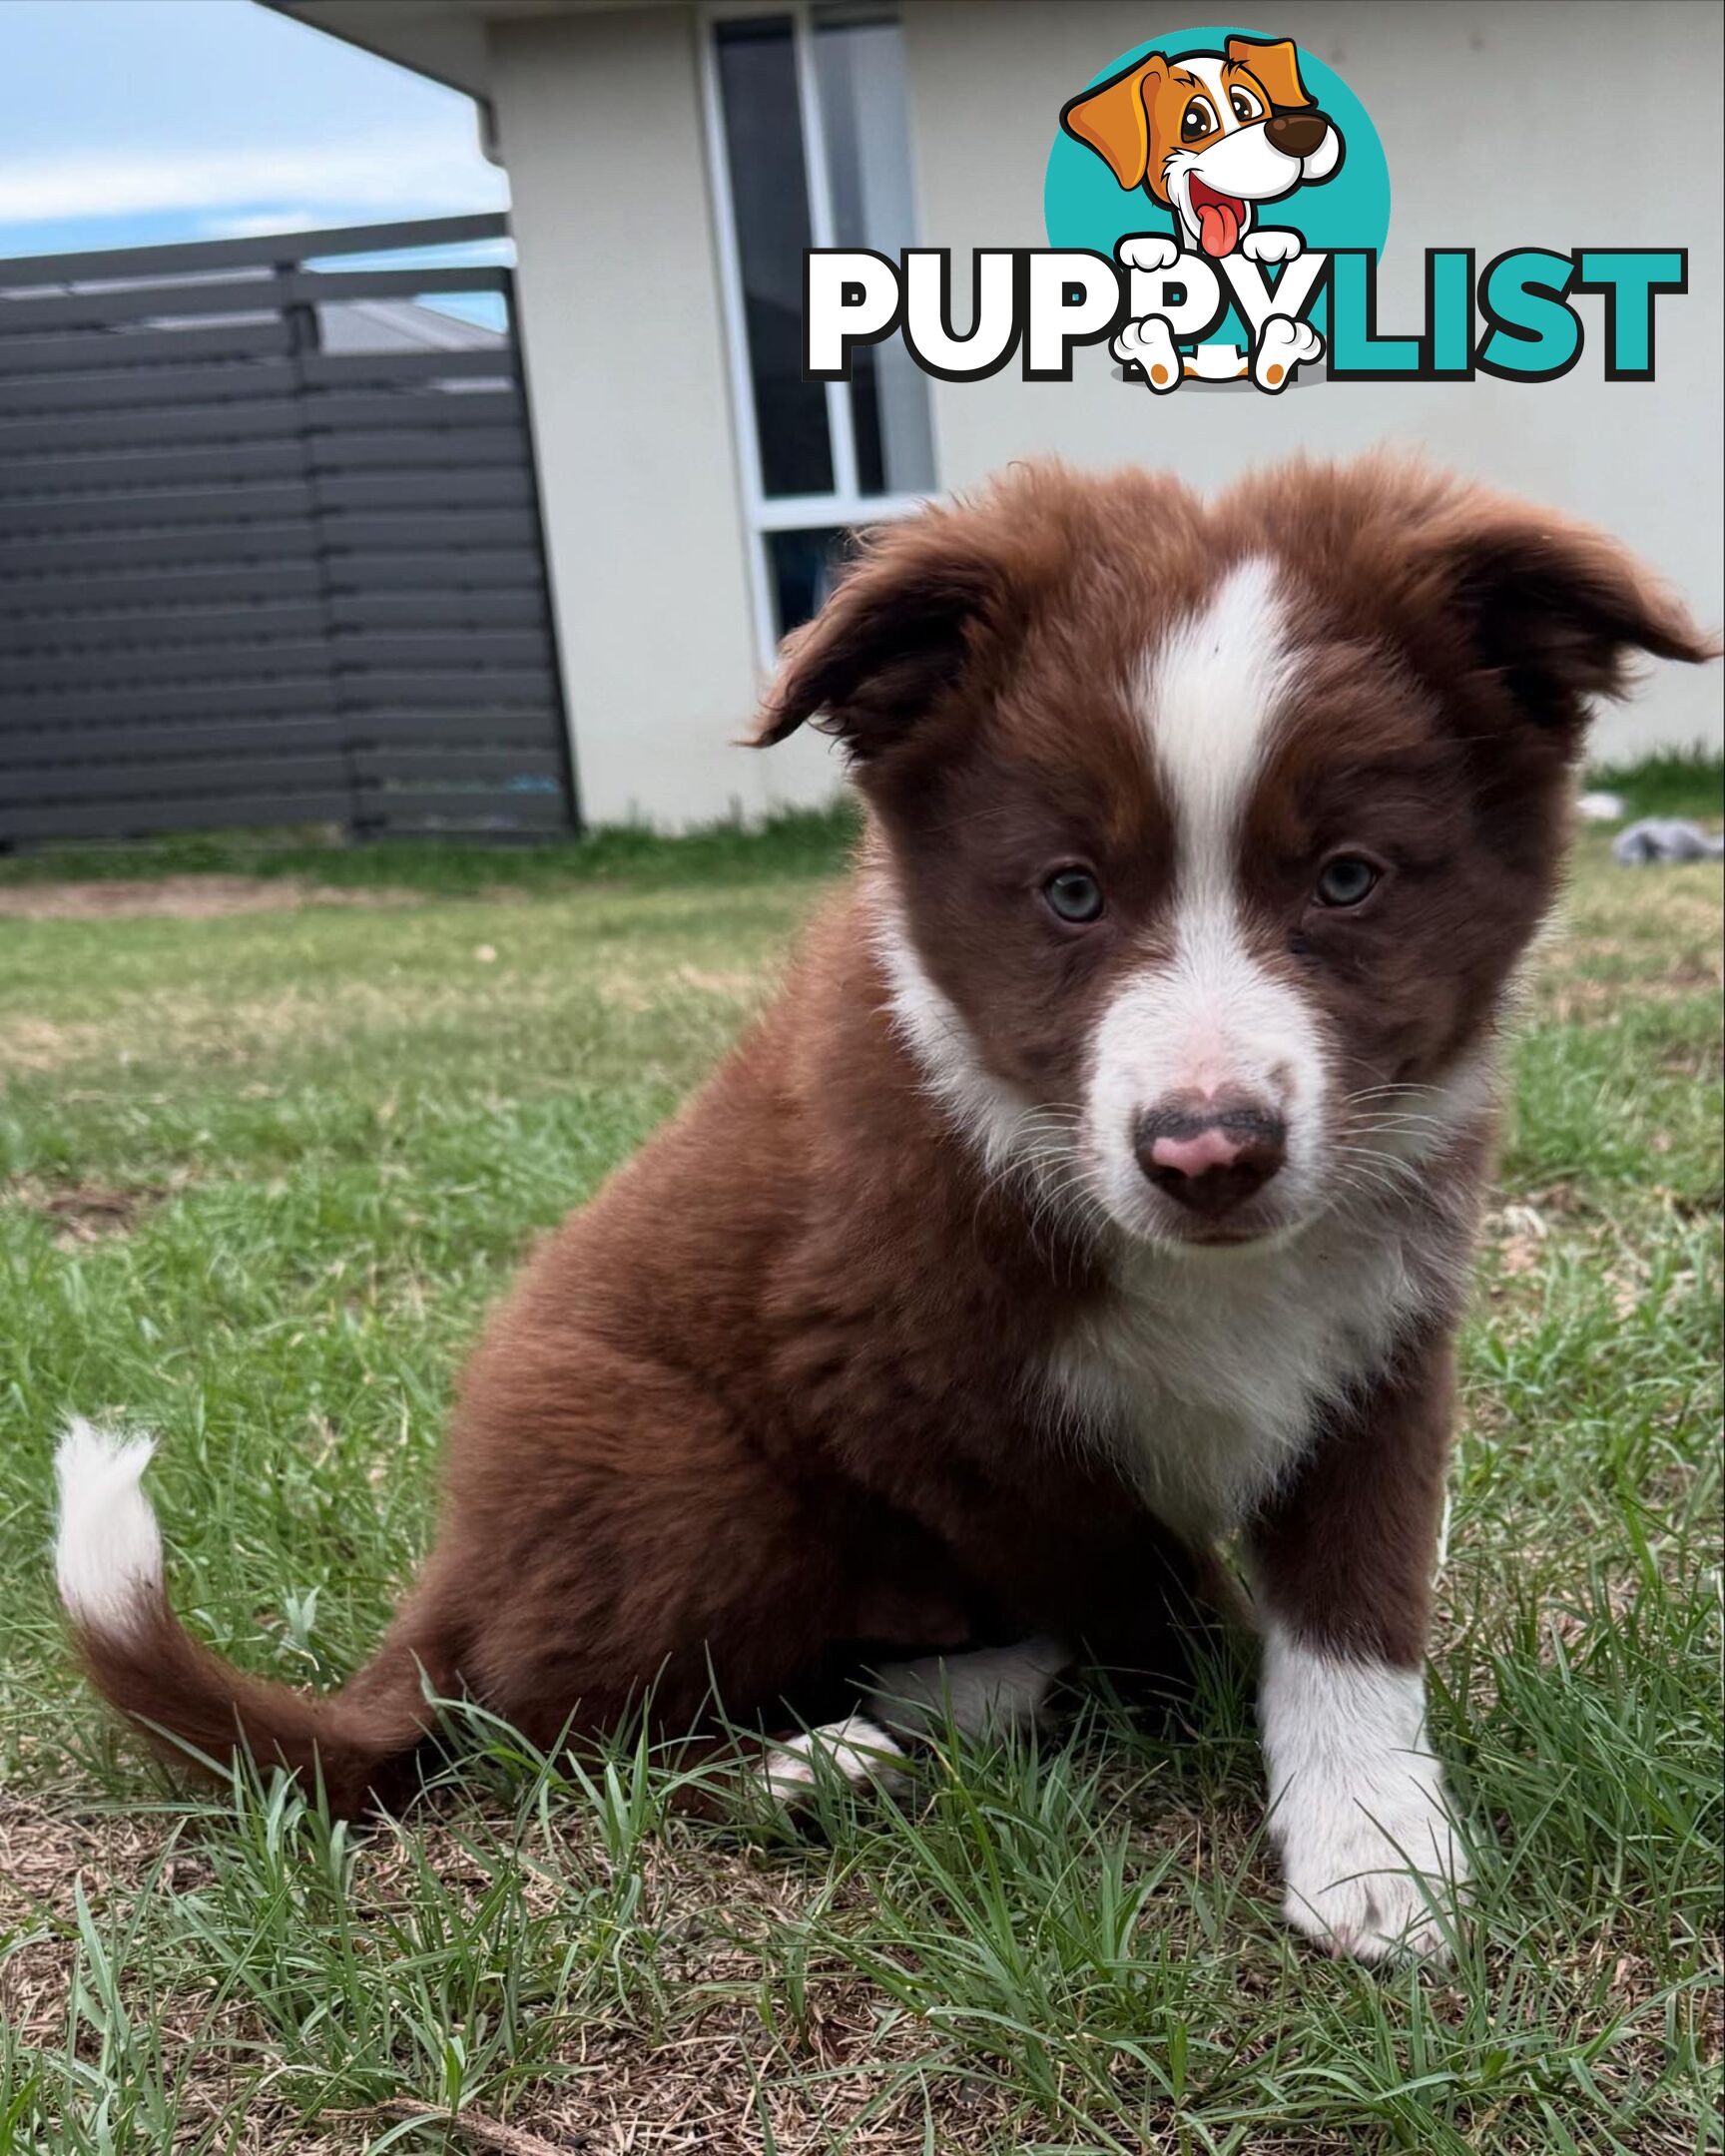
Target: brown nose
{"type": "Point", "coordinates": [1210, 1154]}
{"type": "Point", "coordinates": [1297, 133]}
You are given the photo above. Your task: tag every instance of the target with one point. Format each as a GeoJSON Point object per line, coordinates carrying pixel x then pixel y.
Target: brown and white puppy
{"type": "Point", "coordinates": [1101, 1185]}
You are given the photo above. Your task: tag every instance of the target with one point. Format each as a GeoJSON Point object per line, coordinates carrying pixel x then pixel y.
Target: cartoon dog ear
{"type": "Point", "coordinates": [1113, 118]}
{"type": "Point", "coordinates": [897, 633]}
{"type": "Point", "coordinates": [1277, 66]}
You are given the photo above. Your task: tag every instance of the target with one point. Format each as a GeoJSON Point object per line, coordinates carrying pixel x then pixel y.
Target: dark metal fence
{"type": "Point", "coordinates": [270, 545]}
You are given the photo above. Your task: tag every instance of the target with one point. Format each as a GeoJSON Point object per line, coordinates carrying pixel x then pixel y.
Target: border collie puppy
{"type": "Point", "coordinates": [1102, 1183]}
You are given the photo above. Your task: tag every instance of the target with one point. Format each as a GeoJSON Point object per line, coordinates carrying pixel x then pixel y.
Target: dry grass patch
{"type": "Point", "coordinates": [83, 1213]}
{"type": "Point", "coordinates": [184, 898]}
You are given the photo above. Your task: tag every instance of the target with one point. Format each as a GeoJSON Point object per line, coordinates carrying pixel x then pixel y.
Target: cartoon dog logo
{"type": "Point", "coordinates": [1209, 137]}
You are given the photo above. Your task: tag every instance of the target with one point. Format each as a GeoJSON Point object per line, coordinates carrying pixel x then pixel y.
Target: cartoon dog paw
{"type": "Point", "coordinates": [1148, 250]}
{"type": "Point", "coordinates": [1272, 246]}
{"type": "Point", "coordinates": [1149, 344]}
{"type": "Point", "coordinates": [1283, 345]}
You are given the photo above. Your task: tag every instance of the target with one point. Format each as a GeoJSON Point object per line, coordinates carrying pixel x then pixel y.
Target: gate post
{"type": "Point", "coordinates": [565, 721]}
{"type": "Point", "coordinates": [299, 318]}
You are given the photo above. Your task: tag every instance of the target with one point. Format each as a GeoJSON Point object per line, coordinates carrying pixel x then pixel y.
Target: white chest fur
{"type": "Point", "coordinates": [1203, 1374]}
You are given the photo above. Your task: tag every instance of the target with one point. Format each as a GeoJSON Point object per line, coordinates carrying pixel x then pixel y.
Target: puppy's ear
{"type": "Point", "coordinates": [1277, 66]}
{"type": "Point", "coordinates": [897, 633]}
{"type": "Point", "coordinates": [1549, 611]}
{"type": "Point", "coordinates": [1113, 118]}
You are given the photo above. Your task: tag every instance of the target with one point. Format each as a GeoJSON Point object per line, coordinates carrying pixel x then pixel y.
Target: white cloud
{"type": "Point", "coordinates": [385, 174]}
{"type": "Point", "coordinates": [257, 224]}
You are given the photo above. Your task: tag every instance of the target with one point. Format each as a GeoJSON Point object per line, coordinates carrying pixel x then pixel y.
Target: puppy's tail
{"type": "Point", "coordinates": [180, 1696]}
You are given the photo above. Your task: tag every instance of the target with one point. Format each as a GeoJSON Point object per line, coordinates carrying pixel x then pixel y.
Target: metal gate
{"type": "Point", "coordinates": [269, 544]}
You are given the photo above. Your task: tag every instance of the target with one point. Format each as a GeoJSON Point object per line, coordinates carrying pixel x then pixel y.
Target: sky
{"type": "Point", "coordinates": [129, 122]}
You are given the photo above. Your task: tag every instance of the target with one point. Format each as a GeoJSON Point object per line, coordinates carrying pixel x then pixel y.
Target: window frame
{"type": "Point", "coordinates": [763, 514]}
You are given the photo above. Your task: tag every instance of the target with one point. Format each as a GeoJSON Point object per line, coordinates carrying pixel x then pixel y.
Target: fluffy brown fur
{"type": "Point", "coordinates": [758, 1415]}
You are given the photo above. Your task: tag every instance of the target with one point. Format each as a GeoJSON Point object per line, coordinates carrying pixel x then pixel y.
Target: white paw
{"type": "Point", "coordinates": [1148, 250]}
{"type": "Point", "coordinates": [1375, 1873]}
{"type": "Point", "coordinates": [855, 1751]}
{"type": "Point", "coordinates": [1357, 1806]}
{"type": "Point", "coordinates": [1149, 344]}
{"type": "Point", "coordinates": [983, 1692]}
{"type": "Point", "coordinates": [1272, 246]}
{"type": "Point", "coordinates": [1283, 345]}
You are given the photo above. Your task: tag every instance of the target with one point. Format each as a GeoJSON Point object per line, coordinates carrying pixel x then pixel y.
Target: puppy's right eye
{"type": "Point", "coordinates": [1073, 896]}
{"type": "Point", "coordinates": [1347, 879]}
{"type": "Point", "coordinates": [1198, 119]}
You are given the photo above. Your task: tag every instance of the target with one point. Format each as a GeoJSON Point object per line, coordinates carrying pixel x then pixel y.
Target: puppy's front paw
{"type": "Point", "coordinates": [853, 1751]}
{"type": "Point", "coordinates": [1148, 250]}
{"type": "Point", "coordinates": [1149, 344]}
{"type": "Point", "coordinates": [1272, 246]}
{"type": "Point", "coordinates": [1373, 1870]}
{"type": "Point", "coordinates": [1370, 1854]}
{"type": "Point", "coordinates": [1283, 345]}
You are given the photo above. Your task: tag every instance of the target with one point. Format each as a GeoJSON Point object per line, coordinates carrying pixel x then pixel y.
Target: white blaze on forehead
{"type": "Point", "coordinates": [1209, 703]}
{"type": "Point", "coordinates": [1211, 1014]}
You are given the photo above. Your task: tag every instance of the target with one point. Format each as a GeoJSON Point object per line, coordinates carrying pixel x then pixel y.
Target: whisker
{"type": "Point", "coordinates": [1409, 1170]}
{"type": "Point", "coordinates": [1401, 1086]}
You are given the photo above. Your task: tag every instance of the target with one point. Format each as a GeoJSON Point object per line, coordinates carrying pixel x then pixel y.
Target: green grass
{"type": "Point", "coordinates": [1679, 782]}
{"type": "Point", "coordinates": [259, 1175]}
{"type": "Point", "coordinates": [807, 841]}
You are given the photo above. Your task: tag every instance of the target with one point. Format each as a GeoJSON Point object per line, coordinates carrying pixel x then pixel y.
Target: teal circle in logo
{"type": "Point", "coordinates": [1084, 206]}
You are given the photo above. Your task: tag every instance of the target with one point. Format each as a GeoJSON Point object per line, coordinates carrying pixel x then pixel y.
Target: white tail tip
{"type": "Point", "coordinates": [108, 1550]}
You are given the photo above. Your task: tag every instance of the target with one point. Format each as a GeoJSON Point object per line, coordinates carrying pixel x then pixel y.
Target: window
{"type": "Point", "coordinates": [810, 147]}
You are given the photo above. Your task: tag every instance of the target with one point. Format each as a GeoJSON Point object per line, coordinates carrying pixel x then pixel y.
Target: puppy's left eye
{"type": "Point", "coordinates": [1073, 895]}
{"type": "Point", "coordinates": [1246, 106]}
{"type": "Point", "coordinates": [1347, 879]}
{"type": "Point", "coordinates": [1198, 119]}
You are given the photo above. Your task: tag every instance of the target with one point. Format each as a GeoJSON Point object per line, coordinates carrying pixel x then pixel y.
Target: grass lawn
{"type": "Point", "coordinates": [261, 1172]}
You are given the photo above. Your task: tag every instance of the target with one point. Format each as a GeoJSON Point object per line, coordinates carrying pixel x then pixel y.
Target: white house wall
{"type": "Point", "coordinates": [600, 122]}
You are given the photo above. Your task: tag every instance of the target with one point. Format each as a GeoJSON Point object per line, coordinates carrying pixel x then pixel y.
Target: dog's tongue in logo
{"type": "Point", "coordinates": [1219, 215]}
